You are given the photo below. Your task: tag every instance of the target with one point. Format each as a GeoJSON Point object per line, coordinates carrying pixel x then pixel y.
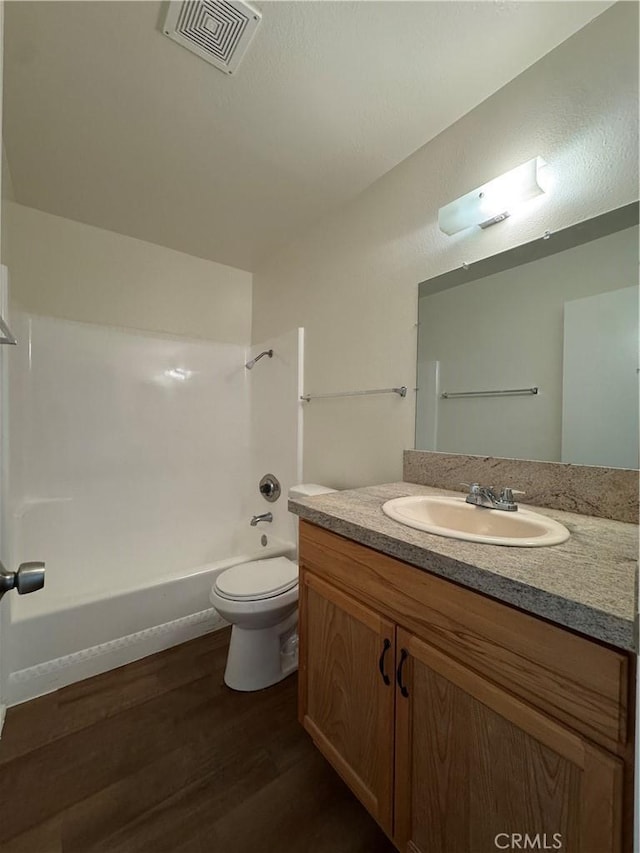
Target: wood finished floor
{"type": "Point", "coordinates": [160, 756]}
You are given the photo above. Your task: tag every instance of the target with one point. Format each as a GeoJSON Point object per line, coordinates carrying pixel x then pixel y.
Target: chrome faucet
{"type": "Point", "coordinates": [264, 516]}
{"type": "Point", "coordinates": [484, 496]}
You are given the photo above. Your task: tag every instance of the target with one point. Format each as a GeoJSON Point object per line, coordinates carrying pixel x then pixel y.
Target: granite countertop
{"type": "Point", "coordinates": [588, 583]}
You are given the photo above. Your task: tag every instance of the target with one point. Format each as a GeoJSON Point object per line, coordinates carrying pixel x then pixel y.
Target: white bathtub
{"type": "Point", "coordinates": [55, 639]}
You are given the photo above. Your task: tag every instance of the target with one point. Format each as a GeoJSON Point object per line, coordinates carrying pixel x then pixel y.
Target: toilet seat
{"type": "Point", "coordinates": [257, 580]}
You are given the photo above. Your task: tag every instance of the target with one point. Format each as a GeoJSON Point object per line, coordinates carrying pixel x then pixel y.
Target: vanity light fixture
{"type": "Point", "coordinates": [496, 200]}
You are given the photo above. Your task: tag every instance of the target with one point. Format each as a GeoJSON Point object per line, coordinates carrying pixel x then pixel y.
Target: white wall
{"type": "Point", "coordinates": [600, 379]}
{"type": "Point", "coordinates": [62, 268]}
{"type": "Point", "coordinates": [352, 280]}
{"type": "Point", "coordinates": [7, 181]}
{"type": "Point", "coordinates": [276, 431]}
{"type": "Point", "coordinates": [506, 331]}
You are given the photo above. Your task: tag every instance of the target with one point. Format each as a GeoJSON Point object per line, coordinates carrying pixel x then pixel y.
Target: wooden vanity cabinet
{"type": "Point", "coordinates": [447, 758]}
{"type": "Point", "coordinates": [473, 764]}
{"type": "Point", "coordinates": [347, 705]}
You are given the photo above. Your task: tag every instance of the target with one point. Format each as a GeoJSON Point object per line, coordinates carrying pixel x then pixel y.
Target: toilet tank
{"type": "Point", "coordinates": [308, 490]}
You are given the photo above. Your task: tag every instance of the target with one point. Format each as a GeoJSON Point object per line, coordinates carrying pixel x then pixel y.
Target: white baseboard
{"type": "Point", "coordinates": [46, 677]}
{"type": "Point", "coordinates": [3, 713]}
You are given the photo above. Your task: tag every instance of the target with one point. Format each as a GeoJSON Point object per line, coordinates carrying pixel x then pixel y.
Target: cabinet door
{"type": "Point", "coordinates": [478, 770]}
{"type": "Point", "coordinates": [347, 690]}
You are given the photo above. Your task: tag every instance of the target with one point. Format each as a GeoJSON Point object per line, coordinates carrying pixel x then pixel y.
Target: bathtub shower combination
{"type": "Point", "coordinates": [134, 475]}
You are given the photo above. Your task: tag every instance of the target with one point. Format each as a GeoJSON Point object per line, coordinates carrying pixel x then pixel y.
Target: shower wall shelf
{"type": "Point", "coordinates": [401, 392]}
{"type": "Point", "coordinates": [508, 392]}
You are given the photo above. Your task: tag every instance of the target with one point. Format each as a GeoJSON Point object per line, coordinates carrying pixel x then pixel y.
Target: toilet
{"type": "Point", "coordinates": [260, 600]}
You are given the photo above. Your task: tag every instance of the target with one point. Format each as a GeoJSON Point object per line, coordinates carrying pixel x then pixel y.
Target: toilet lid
{"type": "Point", "coordinates": [258, 579]}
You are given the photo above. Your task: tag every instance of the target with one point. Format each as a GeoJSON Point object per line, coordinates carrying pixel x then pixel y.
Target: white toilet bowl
{"type": "Point", "coordinates": [260, 600]}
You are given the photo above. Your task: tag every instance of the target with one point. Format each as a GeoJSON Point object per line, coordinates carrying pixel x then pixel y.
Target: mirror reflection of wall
{"type": "Point", "coordinates": [567, 324]}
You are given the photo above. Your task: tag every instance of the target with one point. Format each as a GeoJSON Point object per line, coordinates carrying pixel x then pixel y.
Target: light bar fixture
{"type": "Point", "coordinates": [496, 200]}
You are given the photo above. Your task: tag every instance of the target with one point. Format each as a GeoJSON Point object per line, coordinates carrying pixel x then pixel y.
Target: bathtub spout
{"type": "Point", "coordinates": [264, 516]}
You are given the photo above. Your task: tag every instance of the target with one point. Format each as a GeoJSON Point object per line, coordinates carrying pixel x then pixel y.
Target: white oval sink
{"type": "Point", "coordinates": [456, 519]}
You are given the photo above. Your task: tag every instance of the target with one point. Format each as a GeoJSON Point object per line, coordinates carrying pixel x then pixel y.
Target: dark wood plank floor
{"type": "Point", "coordinates": [160, 756]}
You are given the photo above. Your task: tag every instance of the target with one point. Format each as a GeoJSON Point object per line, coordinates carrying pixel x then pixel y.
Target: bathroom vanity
{"type": "Point", "coordinates": [474, 697]}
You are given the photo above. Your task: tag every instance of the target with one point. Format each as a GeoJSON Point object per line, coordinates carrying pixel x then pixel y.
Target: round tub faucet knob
{"type": "Point", "coordinates": [270, 488]}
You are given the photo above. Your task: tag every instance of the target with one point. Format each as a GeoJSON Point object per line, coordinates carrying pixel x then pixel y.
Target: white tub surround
{"type": "Point", "coordinates": [135, 470]}
{"type": "Point", "coordinates": [130, 466]}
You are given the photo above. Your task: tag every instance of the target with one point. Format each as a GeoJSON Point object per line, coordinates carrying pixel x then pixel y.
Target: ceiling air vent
{"type": "Point", "coordinates": [219, 31]}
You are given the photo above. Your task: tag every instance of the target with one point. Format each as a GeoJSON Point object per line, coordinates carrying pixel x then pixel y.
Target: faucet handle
{"type": "Point", "coordinates": [506, 494]}
{"type": "Point", "coordinates": [506, 501]}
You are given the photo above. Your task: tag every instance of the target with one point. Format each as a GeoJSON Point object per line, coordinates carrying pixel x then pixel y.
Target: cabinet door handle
{"type": "Point", "coordinates": [385, 649]}
{"type": "Point", "coordinates": [404, 654]}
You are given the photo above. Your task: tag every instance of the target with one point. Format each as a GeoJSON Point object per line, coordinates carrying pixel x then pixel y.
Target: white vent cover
{"type": "Point", "coordinates": [219, 31]}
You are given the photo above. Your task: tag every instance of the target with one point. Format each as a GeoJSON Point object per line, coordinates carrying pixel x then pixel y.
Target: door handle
{"type": "Point", "coordinates": [404, 654]}
{"type": "Point", "coordinates": [385, 649]}
{"type": "Point", "coordinates": [28, 578]}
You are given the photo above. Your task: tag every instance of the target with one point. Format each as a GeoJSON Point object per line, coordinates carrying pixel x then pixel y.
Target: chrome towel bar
{"type": "Point", "coordinates": [401, 391]}
{"type": "Point", "coordinates": [509, 392]}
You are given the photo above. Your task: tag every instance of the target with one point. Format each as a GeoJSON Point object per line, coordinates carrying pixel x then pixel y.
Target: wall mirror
{"type": "Point", "coordinates": [533, 353]}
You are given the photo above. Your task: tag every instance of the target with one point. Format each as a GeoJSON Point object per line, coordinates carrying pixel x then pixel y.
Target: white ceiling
{"type": "Point", "coordinates": [109, 122]}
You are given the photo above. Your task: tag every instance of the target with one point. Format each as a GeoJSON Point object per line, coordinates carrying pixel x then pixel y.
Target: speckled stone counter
{"type": "Point", "coordinates": [588, 583]}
